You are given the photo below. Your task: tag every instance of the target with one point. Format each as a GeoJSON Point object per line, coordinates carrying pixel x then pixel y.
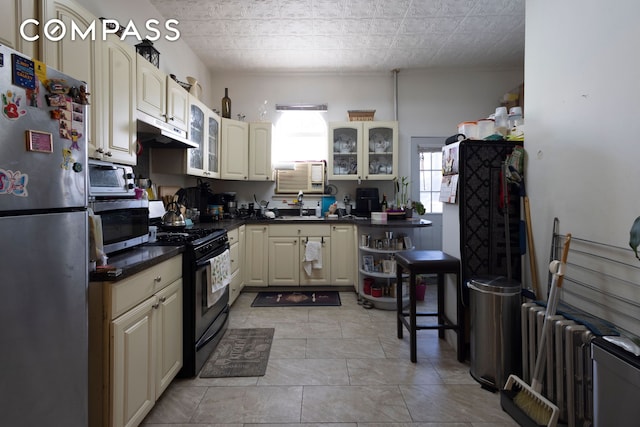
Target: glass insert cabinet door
{"type": "Point", "coordinates": [345, 140]}
{"type": "Point", "coordinates": [213, 144]}
{"type": "Point", "coordinates": [381, 150]}
{"type": "Point", "coordinates": [196, 134]}
{"type": "Point", "coordinates": [363, 150]}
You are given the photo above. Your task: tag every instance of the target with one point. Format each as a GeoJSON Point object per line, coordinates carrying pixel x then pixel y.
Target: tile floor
{"type": "Point", "coordinates": [335, 367]}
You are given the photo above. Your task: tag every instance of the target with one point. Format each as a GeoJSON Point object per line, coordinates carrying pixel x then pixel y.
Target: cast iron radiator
{"type": "Point", "coordinates": [598, 297]}
{"type": "Point", "coordinates": [568, 379]}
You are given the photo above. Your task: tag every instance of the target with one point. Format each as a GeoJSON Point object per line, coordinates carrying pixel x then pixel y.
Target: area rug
{"type": "Point", "coordinates": [297, 299]}
{"type": "Point", "coordinates": [240, 353]}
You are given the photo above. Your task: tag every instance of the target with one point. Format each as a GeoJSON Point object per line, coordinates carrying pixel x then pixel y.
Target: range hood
{"type": "Point", "coordinates": [156, 133]}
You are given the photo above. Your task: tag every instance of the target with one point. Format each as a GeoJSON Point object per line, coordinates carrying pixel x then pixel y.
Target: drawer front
{"type": "Point", "coordinates": [129, 292]}
{"type": "Point", "coordinates": [234, 236]}
{"type": "Point", "coordinates": [294, 230]}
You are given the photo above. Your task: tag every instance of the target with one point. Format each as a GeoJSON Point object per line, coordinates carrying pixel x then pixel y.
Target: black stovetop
{"type": "Point", "coordinates": [192, 236]}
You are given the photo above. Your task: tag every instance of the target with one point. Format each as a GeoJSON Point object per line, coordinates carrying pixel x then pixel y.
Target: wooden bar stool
{"type": "Point", "coordinates": [428, 262]}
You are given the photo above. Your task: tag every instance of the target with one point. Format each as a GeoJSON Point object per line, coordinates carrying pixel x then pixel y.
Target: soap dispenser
{"type": "Point", "coordinates": [318, 213]}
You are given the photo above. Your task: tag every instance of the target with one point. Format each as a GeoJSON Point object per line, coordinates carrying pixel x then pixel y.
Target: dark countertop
{"type": "Point", "coordinates": [135, 260]}
{"type": "Point", "coordinates": [230, 224]}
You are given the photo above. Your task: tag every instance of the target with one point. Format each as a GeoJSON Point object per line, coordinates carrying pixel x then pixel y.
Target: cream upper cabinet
{"type": "Point", "coordinates": [363, 150]}
{"type": "Point", "coordinates": [81, 59]}
{"type": "Point", "coordinates": [343, 255]}
{"type": "Point", "coordinates": [178, 100]}
{"type": "Point", "coordinates": [234, 152]}
{"type": "Point", "coordinates": [117, 105]}
{"type": "Point", "coordinates": [260, 168]}
{"type": "Point", "coordinates": [14, 12]}
{"type": "Point", "coordinates": [152, 89]}
{"type": "Point", "coordinates": [345, 151]}
{"type": "Point", "coordinates": [204, 159]}
{"type": "Point", "coordinates": [204, 130]}
{"type": "Point", "coordinates": [256, 259]}
{"type": "Point", "coordinates": [161, 97]}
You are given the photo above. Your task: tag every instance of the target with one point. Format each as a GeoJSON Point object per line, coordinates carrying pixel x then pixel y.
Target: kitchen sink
{"type": "Point", "coordinates": [298, 218]}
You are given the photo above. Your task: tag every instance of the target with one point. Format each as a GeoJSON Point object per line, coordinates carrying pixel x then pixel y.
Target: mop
{"type": "Point", "coordinates": [525, 403]}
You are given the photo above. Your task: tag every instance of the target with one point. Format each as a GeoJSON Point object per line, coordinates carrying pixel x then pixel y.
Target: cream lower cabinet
{"type": "Point", "coordinates": [343, 255]}
{"type": "Point", "coordinates": [135, 343]}
{"type": "Point", "coordinates": [236, 248]}
{"type": "Point", "coordinates": [287, 247]}
{"type": "Point", "coordinates": [256, 259]}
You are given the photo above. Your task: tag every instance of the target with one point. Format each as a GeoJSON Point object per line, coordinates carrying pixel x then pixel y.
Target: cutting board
{"type": "Point", "coordinates": [166, 193]}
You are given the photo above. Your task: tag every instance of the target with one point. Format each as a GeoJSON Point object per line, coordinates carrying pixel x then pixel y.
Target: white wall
{"type": "Point", "coordinates": [582, 122]}
{"type": "Point", "coordinates": [430, 103]}
{"type": "Point", "coordinates": [175, 57]}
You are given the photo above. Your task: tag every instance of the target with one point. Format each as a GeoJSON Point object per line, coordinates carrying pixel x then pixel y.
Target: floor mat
{"type": "Point", "coordinates": [240, 353]}
{"type": "Point", "coordinates": [297, 299]}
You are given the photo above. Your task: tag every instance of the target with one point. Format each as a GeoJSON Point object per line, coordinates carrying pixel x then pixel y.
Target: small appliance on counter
{"type": "Point", "coordinates": [228, 202]}
{"type": "Point", "coordinates": [367, 201]}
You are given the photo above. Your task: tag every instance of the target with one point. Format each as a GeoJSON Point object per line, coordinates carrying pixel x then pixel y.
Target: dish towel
{"type": "Point", "coordinates": [312, 257]}
{"type": "Point", "coordinates": [219, 275]}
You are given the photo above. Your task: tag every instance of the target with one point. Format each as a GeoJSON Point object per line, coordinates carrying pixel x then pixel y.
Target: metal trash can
{"type": "Point", "coordinates": [495, 334]}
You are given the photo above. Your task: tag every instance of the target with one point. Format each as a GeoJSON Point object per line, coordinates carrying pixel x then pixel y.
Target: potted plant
{"type": "Point", "coordinates": [402, 192]}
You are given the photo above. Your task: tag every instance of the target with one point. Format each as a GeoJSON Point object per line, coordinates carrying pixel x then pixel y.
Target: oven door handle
{"type": "Point", "coordinates": [204, 262]}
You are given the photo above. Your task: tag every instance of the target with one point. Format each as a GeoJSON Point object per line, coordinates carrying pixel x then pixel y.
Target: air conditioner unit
{"type": "Point", "coordinates": [307, 177]}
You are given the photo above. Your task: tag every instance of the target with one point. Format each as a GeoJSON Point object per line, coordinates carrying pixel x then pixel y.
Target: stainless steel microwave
{"type": "Point", "coordinates": [125, 222]}
{"type": "Point", "coordinates": [109, 180]}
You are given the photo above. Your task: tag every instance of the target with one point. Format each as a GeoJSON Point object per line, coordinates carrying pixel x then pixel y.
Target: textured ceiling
{"type": "Point", "coordinates": [350, 35]}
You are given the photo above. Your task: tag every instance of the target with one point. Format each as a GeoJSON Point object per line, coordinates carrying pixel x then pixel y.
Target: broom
{"type": "Point", "coordinates": [524, 402]}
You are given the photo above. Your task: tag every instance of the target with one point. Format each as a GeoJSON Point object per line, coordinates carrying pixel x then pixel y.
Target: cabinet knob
{"type": "Point", "coordinates": [99, 150]}
{"type": "Point", "coordinates": [171, 118]}
{"type": "Point", "coordinates": [163, 299]}
{"type": "Point", "coordinates": [155, 306]}
{"type": "Point", "coordinates": [108, 154]}
{"type": "Point", "coordinates": [158, 279]}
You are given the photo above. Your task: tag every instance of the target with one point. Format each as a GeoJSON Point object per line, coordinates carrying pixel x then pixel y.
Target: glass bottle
{"type": "Point", "coordinates": [226, 104]}
{"type": "Point", "coordinates": [384, 206]}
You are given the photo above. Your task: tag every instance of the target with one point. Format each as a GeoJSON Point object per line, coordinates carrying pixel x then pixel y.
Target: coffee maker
{"type": "Point", "coordinates": [367, 201]}
{"type": "Point", "coordinates": [228, 201]}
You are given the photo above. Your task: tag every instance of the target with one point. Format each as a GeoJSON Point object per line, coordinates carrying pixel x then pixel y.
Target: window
{"type": "Point", "coordinates": [299, 135]}
{"type": "Point", "coordinates": [430, 178]}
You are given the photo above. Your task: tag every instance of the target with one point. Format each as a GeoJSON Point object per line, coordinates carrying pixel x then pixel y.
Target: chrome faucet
{"type": "Point", "coordinates": [300, 196]}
